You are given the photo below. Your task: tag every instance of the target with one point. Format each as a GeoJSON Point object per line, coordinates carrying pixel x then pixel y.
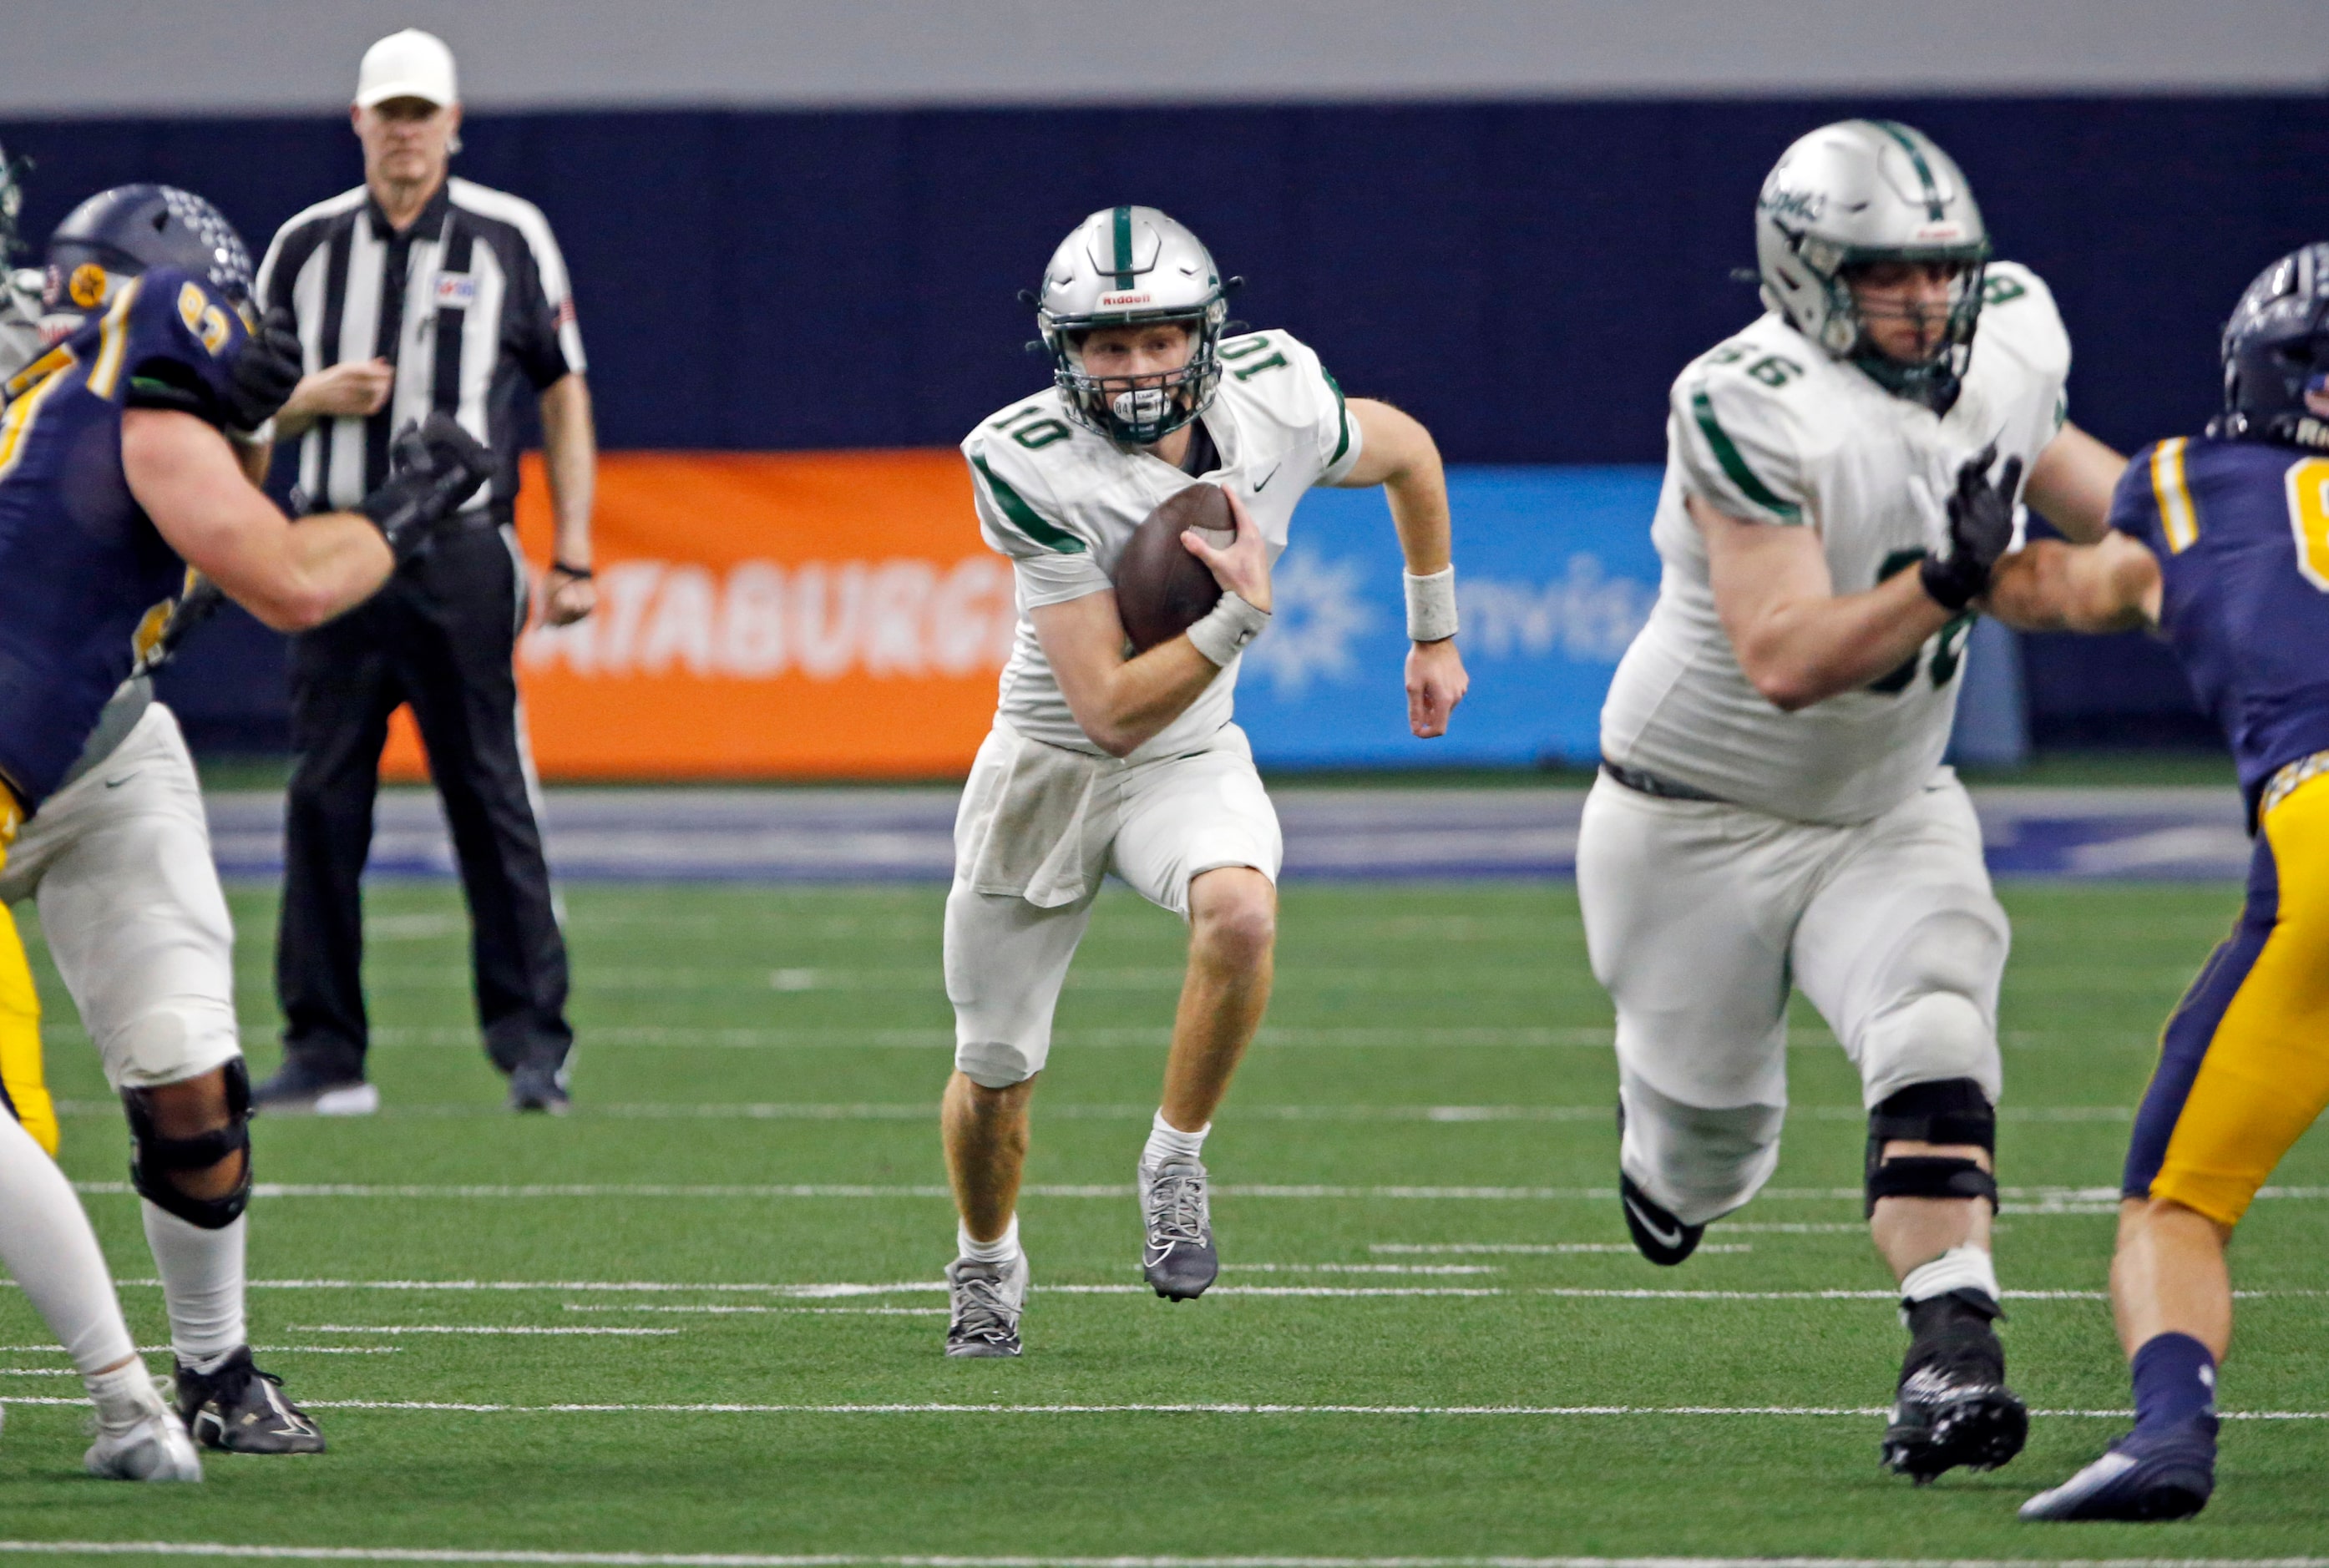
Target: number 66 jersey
{"type": "Point", "coordinates": [1769, 428]}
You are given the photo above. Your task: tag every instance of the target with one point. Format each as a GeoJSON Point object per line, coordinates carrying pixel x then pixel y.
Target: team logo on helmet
{"type": "Point", "coordinates": [86, 287]}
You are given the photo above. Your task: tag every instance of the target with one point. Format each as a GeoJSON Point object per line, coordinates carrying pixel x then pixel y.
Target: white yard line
{"type": "Point", "coordinates": [258, 1350]}
{"type": "Point", "coordinates": [907, 1287]}
{"type": "Point", "coordinates": [471, 1329]}
{"type": "Point", "coordinates": [2017, 1199]}
{"type": "Point", "coordinates": [685, 1036]}
{"type": "Point", "coordinates": [734, 1311]}
{"type": "Point", "coordinates": [1210, 1408]}
{"type": "Point", "coordinates": [547, 1559]}
{"type": "Point", "coordinates": [1530, 1249]}
{"type": "Point", "coordinates": [1368, 1268]}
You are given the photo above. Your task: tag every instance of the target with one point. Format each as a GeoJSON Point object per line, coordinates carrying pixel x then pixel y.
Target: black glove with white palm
{"type": "Point", "coordinates": [433, 467]}
{"type": "Point", "coordinates": [1981, 530]}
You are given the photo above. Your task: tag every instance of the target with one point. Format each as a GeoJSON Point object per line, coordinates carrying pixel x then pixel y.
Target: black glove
{"type": "Point", "coordinates": [1981, 527]}
{"type": "Point", "coordinates": [433, 467]}
{"type": "Point", "coordinates": [265, 371]}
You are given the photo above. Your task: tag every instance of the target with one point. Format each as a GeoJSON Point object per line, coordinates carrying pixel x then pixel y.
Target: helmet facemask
{"type": "Point", "coordinates": [1933, 381]}
{"type": "Point", "coordinates": [1137, 410]}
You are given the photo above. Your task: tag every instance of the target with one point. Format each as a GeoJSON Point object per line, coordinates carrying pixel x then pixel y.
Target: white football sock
{"type": "Point", "coordinates": [1166, 1140]}
{"type": "Point", "coordinates": [201, 1284]}
{"type": "Point", "coordinates": [1961, 1268]}
{"type": "Point", "coordinates": [1000, 1250]}
{"type": "Point", "coordinates": [46, 1243]}
{"type": "Point", "coordinates": [123, 1396]}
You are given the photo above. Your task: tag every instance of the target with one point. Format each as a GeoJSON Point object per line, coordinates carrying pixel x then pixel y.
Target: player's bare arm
{"type": "Point", "coordinates": [2071, 483]}
{"type": "Point", "coordinates": [570, 450]}
{"type": "Point", "coordinates": [2110, 586]}
{"type": "Point", "coordinates": [186, 477]}
{"type": "Point", "coordinates": [1400, 454]}
{"type": "Point", "coordinates": [1120, 702]}
{"type": "Point", "coordinates": [1798, 641]}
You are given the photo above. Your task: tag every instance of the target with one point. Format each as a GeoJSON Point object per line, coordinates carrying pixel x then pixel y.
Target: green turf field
{"type": "Point", "coordinates": [1412, 1204]}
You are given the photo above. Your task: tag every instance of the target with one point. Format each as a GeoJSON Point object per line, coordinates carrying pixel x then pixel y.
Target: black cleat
{"type": "Point", "coordinates": [241, 1409]}
{"type": "Point", "coordinates": [2146, 1475]}
{"type": "Point", "coordinates": [1658, 1235]}
{"type": "Point", "coordinates": [1952, 1407]}
{"type": "Point", "coordinates": [540, 1085]}
{"type": "Point", "coordinates": [1178, 1260]}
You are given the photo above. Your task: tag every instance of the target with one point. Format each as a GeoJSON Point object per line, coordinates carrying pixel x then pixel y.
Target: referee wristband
{"type": "Point", "coordinates": [1225, 631]}
{"type": "Point", "coordinates": [1430, 606]}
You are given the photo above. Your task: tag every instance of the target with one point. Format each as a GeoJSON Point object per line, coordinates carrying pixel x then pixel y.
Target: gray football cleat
{"type": "Point", "coordinates": [986, 1300]}
{"type": "Point", "coordinates": [1178, 1261]}
{"type": "Point", "coordinates": [155, 1449]}
{"type": "Point", "coordinates": [241, 1409]}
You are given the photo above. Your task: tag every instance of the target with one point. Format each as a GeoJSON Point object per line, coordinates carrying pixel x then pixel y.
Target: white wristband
{"type": "Point", "coordinates": [1223, 634]}
{"type": "Point", "coordinates": [1430, 606]}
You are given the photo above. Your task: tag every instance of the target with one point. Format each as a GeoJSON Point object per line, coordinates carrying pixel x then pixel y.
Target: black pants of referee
{"type": "Point", "coordinates": [440, 636]}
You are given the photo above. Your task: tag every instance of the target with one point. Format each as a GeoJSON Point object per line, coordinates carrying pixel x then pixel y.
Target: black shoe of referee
{"type": "Point", "coordinates": [540, 1085]}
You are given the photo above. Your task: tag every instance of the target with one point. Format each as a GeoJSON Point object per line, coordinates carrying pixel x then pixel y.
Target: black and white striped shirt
{"type": "Point", "coordinates": [467, 298]}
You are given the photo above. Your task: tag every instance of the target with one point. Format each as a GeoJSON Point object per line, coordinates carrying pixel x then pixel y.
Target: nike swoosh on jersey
{"type": "Point", "coordinates": [1267, 478]}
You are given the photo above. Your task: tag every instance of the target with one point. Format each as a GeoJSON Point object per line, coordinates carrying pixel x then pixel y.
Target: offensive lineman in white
{"type": "Point", "coordinates": [1772, 807]}
{"type": "Point", "coordinates": [1099, 761]}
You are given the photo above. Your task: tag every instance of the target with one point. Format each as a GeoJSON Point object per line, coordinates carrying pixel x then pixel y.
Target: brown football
{"type": "Point", "coordinates": [1161, 590]}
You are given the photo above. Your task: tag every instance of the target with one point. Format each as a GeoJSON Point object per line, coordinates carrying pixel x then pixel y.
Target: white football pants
{"type": "Point", "coordinates": [1699, 916]}
{"type": "Point", "coordinates": [1155, 824]}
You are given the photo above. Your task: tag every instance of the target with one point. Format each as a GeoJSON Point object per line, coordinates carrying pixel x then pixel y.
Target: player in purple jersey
{"type": "Point", "coordinates": [119, 470]}
{"type": "Point", "coordinates": [2222, 543]}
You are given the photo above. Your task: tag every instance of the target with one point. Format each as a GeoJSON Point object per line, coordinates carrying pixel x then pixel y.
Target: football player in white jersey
{"type": "Point", "coordinates": [1099, 761]}
{"type": "Point", "coordinates": [119, 862]}
{"type": "Point", "coordinates": [1772, 809]}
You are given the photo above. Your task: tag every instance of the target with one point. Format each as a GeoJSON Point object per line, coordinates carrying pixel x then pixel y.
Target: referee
{"type": "Point", "coordinates": [416, 291]}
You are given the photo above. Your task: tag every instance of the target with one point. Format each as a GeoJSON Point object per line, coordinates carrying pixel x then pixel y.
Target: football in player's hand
{"type": "Point", "coordinates": [1161, 590]}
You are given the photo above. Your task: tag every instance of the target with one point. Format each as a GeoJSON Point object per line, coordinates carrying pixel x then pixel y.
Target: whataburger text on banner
{"type": "Point", "coordinates": [766, 614]}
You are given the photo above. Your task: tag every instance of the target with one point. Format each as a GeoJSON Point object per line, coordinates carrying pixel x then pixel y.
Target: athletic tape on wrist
{"type": "Point", "coordinates": [1430, 605]}
{"type": "Point", "coordinates": [1223, 634]}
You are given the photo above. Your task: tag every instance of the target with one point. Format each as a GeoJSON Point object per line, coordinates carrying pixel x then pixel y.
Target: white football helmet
{"type": "Point", "coordinates": [1862, 190]}
{"type": "Point", "coordinates": [1123, 266]}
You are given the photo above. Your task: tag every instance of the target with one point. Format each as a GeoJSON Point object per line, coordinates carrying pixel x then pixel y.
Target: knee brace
{"type": "Point", "coordinates": [154, 1160]}
{"type": "Point", "coordinates": [1950, 1110]}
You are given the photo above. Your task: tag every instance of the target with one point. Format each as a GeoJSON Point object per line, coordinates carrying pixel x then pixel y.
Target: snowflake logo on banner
{"type": "Point", "coordinates": [1317, 613]}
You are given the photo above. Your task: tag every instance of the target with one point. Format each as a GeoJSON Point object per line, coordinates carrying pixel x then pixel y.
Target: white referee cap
{"type": "Point", "coordinates": [407, 64]}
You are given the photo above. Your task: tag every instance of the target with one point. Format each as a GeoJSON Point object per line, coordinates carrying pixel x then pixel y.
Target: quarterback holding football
{"type": "Point", "coordinates": [1108, 757]}
{"type": "Point", "coordinates": [1772, 809]}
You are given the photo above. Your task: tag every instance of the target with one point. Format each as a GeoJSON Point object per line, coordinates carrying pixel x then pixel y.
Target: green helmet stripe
{"type": "Point", "coordinates": [1025, 518]}
{"type": "Point", "coordinates": [1907, 140]}
{"type": "Point", "coordinates": [1733, 465]}
{"type": "Point", "coordinates": [1123, 248]}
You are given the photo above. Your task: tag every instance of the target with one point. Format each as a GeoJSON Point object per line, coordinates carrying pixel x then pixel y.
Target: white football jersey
{"type": "Point", "coordinates": [1768, 427]}
{"type": "Point", "coordinates": [1062, 501]}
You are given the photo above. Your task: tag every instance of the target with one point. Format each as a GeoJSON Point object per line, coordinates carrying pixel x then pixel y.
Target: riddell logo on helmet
{"type": "Point", "coordinates": [1941, 231]}
{"type": "Point", "coordinates": [1121, 299]}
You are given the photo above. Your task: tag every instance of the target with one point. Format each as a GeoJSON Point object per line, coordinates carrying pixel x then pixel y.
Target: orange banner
{"type": "Point", "coordinates": [766, 615]}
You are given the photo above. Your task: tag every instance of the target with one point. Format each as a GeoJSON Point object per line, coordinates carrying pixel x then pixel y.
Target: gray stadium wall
{"type": "Point", "coordinates": [1525, 277]}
